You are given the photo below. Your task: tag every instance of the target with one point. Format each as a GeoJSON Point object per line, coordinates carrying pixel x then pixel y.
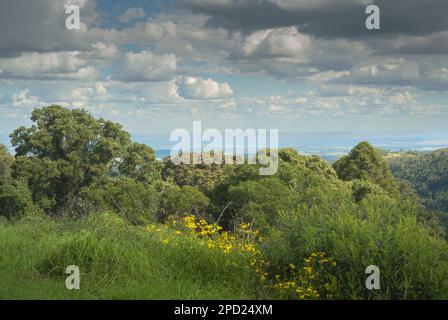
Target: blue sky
{"type": "Point", "coordinates": [292, 65]}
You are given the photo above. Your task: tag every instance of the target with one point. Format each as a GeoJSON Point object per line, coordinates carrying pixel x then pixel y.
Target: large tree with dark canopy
{"type": "Point", "coordinates": [66, 150]}
{"type": "Point", "coordinates": [364, 162]}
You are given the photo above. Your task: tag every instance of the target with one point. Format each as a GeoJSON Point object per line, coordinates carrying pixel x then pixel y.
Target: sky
{"type": "Point", "coordinates": [291, 65]}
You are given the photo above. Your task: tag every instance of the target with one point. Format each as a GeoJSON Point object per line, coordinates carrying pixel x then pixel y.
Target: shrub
{"type": "Point", "coordinates": [15, 200]}
{"type": "Point", "coordinates": [133, 201]}
{"type": "Point", "coordinates": [260, 202]}
{"type": "Point", "coordinates": [6, 161]}
{"type": "Point", "coordinates": [380, 231]}
{"type": "Point", "coordinates": [362, 188]}
{"type": "Point", "coordinates": [179, 201]}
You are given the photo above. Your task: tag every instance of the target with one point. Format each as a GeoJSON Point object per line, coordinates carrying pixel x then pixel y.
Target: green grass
{"type": "Point", "coordinates": [116, 262]}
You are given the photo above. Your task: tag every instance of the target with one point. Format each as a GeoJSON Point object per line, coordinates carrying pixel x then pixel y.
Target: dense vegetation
{"type": "Point", "coordinates": [79, 191]}
{"type": "Point", "coordinates": [428, 175]}
{"type": "Point", "coordinates": [366, 163]}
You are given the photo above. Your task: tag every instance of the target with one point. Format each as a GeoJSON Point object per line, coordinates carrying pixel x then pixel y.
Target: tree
{"type": "Point", "coordinates": [314, 163]}
{"type": "Point", "coordinates": [15, 200]}
{"type": "Point", "coordinates": [64, 151]}
{"type": "Point", "coordinates": [364, 162]}
{"type": "Point", "coordinates": [6, 161]}
{"type": "Point", "coordinates": [262, 201]}
{"type": "Point", "coordinates": [139, 163]}
{"type": "Point", "coordinates": [184, 200]}
{"type": "Point", "coordinates": [203, 176]}
{"type": "Point", "coordinates": [362, 189]}
{"type": "Point", "coordinates": [132, 200]}
{"type": "Point", "coordinates": [428, 175]}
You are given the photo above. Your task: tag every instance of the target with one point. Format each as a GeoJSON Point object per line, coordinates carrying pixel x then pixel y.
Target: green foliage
{"type": "Point", "coordinates": [66, 150]}
{"type": "Point", "coordinates": [132, 200]}
{"type": "Point", "coordinates": [42, 177]}
{"type": "Point", "coordinates": [6, 161]}
{"type": "Point", "coordinates": [366, 163]}
{"type": "Point", "coordinates": [139, 163]}
{"type": "Point", "coordinates": [310, 213]}
{"type": "Point", "coordinates": [15, 200]}
{"type": "Point", "coordinates": [314, 163]}
{"type": "Point", "coordinates": [184, 200]}
{"type": "Point", "coordinates": [361, 189]}
{"type": "Point", "coordinates": [378, 231]}
{"type": "Point", "coordinates": [117, 261]}
{"type": "Point", "coordinates": [407, 192]}
{"type": "Point", "coordinates": [425, 179]}
{"type": "Point", "coordinates": [428, 174]}
{"type": "Point", "coordinates": [261, 202]}
{"type": "Point", "coordinates": [202, 175]}
{"type": "Point", "coordinates": [300, 181]}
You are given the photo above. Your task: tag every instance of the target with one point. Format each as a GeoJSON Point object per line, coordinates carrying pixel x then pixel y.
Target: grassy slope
{"type": "Point", "coordinates": [116, 262]}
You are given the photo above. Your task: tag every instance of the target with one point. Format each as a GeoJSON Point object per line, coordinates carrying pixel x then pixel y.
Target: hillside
{"type": "Point", "coordinates": [428, 174]}
{"type": "Point", "coordinates": [80, 192]}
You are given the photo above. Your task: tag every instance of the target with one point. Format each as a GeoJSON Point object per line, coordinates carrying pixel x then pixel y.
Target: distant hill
{"type": "Point", "coordinates": [428, 174]}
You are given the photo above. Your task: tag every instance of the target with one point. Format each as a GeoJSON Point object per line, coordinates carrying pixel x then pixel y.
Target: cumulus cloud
{"type": "Point", "coordinates": [85, 95]}
{"type": "Point", "coordinates": [334, 102]}
{"type": "Point", "coordinates": [198, 88]}
{"type": "Point", "coordinates": [146, 66]}
{"type": "Point", "coordinates": [103, 51]}
{"type": "Point", "coordinates": [425, 73]}
{"type": "Point", "coordinates": [286, 53]}
{"type": "Point", "coordinates": [23, 99]}
{"type": "Point", "coordinates": [272, 43]}
{"type": "Point", "coordinates": [52, 65]}
{"type": "Point", "coordinates": [170, 59]}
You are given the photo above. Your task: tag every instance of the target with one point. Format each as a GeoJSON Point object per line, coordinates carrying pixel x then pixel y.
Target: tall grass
{"type": "Point", "coordinates": [381, 232]}
{"type": "Point", "coordinates": [116, 262]}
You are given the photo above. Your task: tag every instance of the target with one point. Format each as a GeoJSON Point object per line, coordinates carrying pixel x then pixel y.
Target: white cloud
{"type": "Point", "coordinates": [287, 53]}
{"type": "Point", "coordinates": [206, 89]}
{"type": "Point", "coordinates": [388, 70]}
{"type": "Point", "coordinates": [23, 99]}
{"type": "Point", "coordinates": [280, 42]}
{"type": "Point", "coordinates": [103, 51]}
{"type": "Point", "coordinates": [402, 98]}
{"type": "Point", "coordinates": [51, 65]}
{"type": "Point", "coordinates": [146, 66]}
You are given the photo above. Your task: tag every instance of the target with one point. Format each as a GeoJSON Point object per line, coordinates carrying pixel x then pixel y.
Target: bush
{"type": "Point", "coordinates": [15, 200]}
{"type": "Point", "coordinates": [184, 200]}
{"type": "Point", "coordinates": [202, 176]}
{"type": "Point", "coordinates": [133, 201]}
{"type": "Point", "coordinates": [362, 188]}
{"type": "Point", "coordinates": [260, 202]}
{"type": "Point", "coordinates": [413, 264]}
{"type": "Point", "coordinates": [6, 161]}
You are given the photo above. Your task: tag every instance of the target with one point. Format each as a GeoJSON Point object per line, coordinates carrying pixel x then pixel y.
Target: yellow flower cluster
{"type": "Point", "coordinates": [311, 282]}
{"type": "Point", "coordinates": [214, 237]}
{"type": "Point", "coordinates": [200, 228]}
{"type": "Point", "coordinates": [190, 223]}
